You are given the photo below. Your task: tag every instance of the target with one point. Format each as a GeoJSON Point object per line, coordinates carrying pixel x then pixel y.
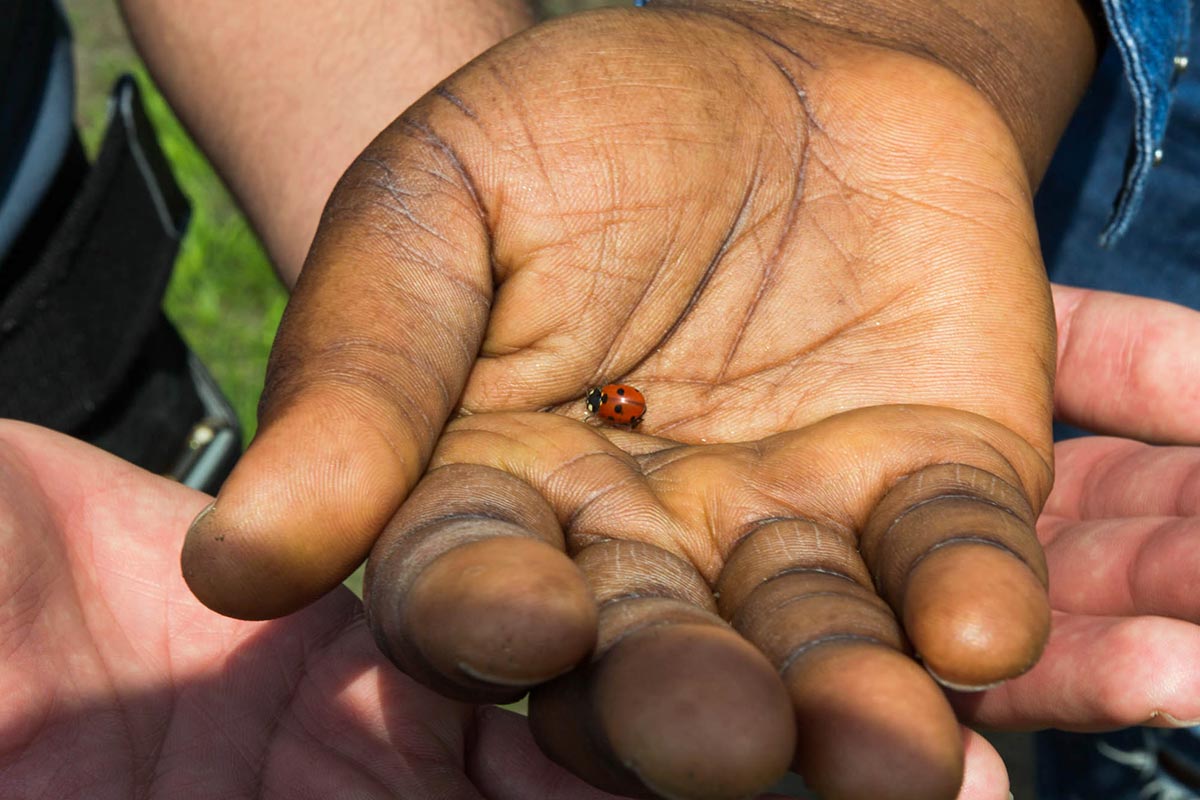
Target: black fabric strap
{"type": "Point", "coordinates": [76, 319]}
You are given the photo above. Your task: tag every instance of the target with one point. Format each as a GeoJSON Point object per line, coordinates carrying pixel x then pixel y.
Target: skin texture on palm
{"type": "Point", "coordinates": [817, 259]}
{"type": "Point", "coordinates": [113, 667]}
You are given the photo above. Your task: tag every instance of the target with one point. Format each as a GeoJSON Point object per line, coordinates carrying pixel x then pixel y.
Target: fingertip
{"type": "Point", "coordinates": [675, 703]}
{"type": "Point", "coordinates": [953, 550]}
{"type": "Point", "coordinates": [871, 724]}
{"type": "Point", "coordinates": [671, 710]}
{"type": "Point", "coordinates": [238, 574]}
{"type": "Point", "coordinates": [507, 611]}
{"type": "Point", "coordinates": [985, 775]}
{"type": "Point", "coordinates": [295, 518]}
{"type": "Point", "coordinates": [694, 711]}
{"type": "Point", "coordinates": [976, 614]}
{"type": "Point", "coordinates": [209, 570]}
{"type": "Point", "coordinates": [468, 589]}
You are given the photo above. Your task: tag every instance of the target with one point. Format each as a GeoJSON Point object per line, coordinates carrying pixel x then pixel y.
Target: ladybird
{"type": "Point", "coordinates": [617, 403]}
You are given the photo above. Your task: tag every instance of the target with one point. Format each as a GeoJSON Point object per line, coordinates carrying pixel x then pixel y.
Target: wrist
{"type": "Point", "coordinates": [1032, 59]}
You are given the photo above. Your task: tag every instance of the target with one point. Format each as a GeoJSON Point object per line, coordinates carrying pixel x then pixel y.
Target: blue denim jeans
{"type": "Point", "coordinates": [1159, 256]}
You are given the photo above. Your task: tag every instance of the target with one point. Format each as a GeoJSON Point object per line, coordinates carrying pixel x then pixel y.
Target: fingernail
{"type": "Point", "coordinates": [961, 687]}
{"type": "Point", "coordinates": [204, 512]}
{"type": "Point", "coordinates": [1161, 719]}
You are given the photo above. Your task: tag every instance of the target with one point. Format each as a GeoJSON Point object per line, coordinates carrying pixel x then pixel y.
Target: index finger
{"type": "Point", "coordinates": [371, 357]}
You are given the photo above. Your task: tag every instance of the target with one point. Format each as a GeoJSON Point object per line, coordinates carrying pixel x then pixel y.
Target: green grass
{"type": "Point", "coordinates": [224, 296]}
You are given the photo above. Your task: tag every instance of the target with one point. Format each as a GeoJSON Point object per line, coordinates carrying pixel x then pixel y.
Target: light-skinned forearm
{"type": "Point", "coordinates": [282, 95]}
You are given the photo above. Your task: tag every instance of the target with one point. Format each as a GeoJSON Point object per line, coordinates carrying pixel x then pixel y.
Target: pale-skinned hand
{"type": "Point", "coordinates": [1119, 527]}
{"type": "Point", "coordinates": [117, 683]}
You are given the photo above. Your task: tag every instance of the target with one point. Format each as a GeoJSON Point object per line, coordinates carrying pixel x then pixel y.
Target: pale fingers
{"type": "Point", "coordinates": [1127, 365]}
{"type": "Point", "coordinates": [985, 774]}
{"type": "Point", "coordinates": [1105, 478]}
{"type": "Point", "coordinates": [1125, 567]}
{"type": "Point", "coordinates": [1119, 528]}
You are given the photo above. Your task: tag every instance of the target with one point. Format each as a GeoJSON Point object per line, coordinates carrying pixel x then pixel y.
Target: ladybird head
{"type": "Point", "coordinates": [594, 399]}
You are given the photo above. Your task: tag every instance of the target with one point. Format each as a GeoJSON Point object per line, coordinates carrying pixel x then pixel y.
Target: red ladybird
{"type": "Point", "coordinates": [617, 403]}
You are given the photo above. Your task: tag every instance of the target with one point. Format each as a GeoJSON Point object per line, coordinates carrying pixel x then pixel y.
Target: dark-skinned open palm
{"type": "Point", "coordinates": [817, 260]}
{"type": "Point", "coordinates": [118, 683]}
